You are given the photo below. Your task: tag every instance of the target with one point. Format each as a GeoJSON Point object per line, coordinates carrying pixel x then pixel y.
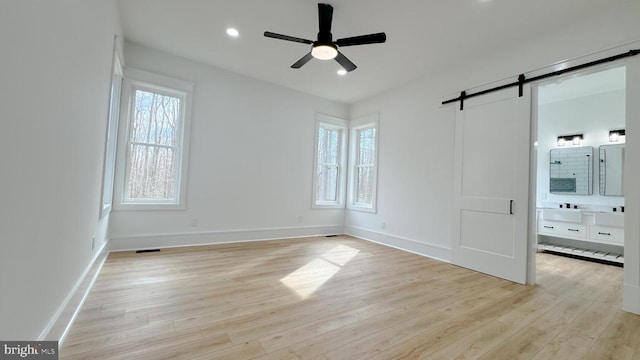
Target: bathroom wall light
{"type": "Point", "coordinates": [573, 139]}
{"type": "Point", "coordinates": [616, 135]}
{"type": "Point", "coordinates": [577, 140]}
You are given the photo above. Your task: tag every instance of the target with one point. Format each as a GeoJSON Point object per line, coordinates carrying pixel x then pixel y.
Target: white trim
{"type": "Point", "coordinates": [630, 296]}
{"type": "Point", "coordinates": [631, 274]}
{"type": "Point", "coordinates": [532, 232]}
{"type": "Point", "coordinates": [154, 241]}
{"type": "Point", "coordinates": [59, 325]}
{"type": "Point", "coordinates": [433, 251]}
{"type": "Point", "coordinates": [333, 123]}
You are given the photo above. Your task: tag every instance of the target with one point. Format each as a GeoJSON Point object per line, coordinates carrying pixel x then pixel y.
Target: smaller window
{"type": "Point", "coordinates": [330, 159]}
{"type": "Point", "coordinates": [364, 160]}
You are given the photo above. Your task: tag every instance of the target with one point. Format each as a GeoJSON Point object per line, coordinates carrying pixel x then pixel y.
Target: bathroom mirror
{"type": "Point", "coordinates": [611, 169]}
{"type": "Point", "coordinates": [571, 171]}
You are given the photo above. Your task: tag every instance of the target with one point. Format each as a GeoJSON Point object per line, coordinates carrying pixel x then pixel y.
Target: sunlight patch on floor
{"type": "Point", "coordinates": [340, 255]}
{"type": "Point", "coordinates": [310, 277]}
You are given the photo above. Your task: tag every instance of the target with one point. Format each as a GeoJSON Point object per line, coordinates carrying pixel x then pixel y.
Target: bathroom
{"type": "Point", "coordinates": [580, 165]}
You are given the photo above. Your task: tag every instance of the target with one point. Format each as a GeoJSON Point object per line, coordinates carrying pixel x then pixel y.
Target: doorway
{"type": "Point", "coordinates": [630, 229]}
{"type": "Point", "coordinates": [580, 147]}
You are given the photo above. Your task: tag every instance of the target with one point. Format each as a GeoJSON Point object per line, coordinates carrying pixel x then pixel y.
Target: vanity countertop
{"type": "Point", "coordinates": [595, 217]}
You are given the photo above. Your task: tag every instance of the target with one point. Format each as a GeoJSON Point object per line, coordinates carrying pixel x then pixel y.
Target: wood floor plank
{"type": "Point", "coordinates": [326, 323]}
{"type": "Point", "coordinates": [311, 348]}
{"type": "Point", "coordinates": [370, 346]}
{"type": "Point", "coordinates": [344, 298]}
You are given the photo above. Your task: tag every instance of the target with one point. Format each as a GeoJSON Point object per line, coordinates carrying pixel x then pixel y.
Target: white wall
{"type": "Point", "coordinates": [592, 116]}
{"type": "Point", "coordinates": [415, 176]}
{"type": "Point", "coordinates": [416, 132]}
{"type": "Point", "coordinates": [56, 71]}
{"type": "Point", "coordinates": [250, 166]}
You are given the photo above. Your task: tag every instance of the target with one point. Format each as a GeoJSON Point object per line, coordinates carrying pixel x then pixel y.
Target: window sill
{"type": "Point", "coordinates": [362, 209]}
{"type": "Point", "coordinates": [328, 206]}
{"type": "Point", "coordinates": [148, 207]}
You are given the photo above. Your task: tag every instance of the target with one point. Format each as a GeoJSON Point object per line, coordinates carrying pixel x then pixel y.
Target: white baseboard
{"type": "Point", "coordinates": [61, 321]}
{"type": "Point", "coordinates": [433, 251]}
{"type": "Point", "coordinates": [155, 241]}
{"type": "Point", "coordinates": [631, 298]}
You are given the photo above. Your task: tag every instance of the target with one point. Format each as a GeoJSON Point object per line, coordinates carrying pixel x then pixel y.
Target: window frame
{"type": "Point", "coordinates": [135, 80]}
{"type": "Point", "coordinates": [331, 123]}
{"type": "Point", "coordinates": [363, 123]}
{"type": "Point", "coordinates": [111, 136]}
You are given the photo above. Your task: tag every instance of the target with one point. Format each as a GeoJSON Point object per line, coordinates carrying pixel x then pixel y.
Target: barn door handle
{"type": "Point", "coordinates": [510, 207]}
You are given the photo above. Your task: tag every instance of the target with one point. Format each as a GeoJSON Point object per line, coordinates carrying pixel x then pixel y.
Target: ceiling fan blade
{"type": "Point", "coordinates": [270, 34]}
{"type": "Point", "coordinates": [344, 62]}
{"type": "Point", "coordinates": [325, 16]}
{"type": "Point", "coordinates": [305, 59]}
{"type": "Point", "coordinates": [363, 39]}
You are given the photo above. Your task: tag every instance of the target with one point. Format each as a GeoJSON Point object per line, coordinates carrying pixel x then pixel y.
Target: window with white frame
{"type": "Point", "coordinates": [109, 161]}
{"type": "Point", "coordinates": [330, 159]}
{"type": "Point", "coordinates": [364, 160]}
{"type": "Point", "coordinates": [154, 154]}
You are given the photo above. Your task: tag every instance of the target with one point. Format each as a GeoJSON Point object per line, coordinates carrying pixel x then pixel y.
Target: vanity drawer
{"type": "Point", "coordinates": [563, 229]}
{"type": "Point", "coordinates": [607, 235]}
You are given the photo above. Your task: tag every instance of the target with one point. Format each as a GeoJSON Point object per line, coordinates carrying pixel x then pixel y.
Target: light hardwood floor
{"type": "Point", "coordinates": [344, 298]}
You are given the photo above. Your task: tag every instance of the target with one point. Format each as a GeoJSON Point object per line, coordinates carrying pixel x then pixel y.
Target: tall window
{"type": "Point", "coordinates": [330, 158]}
{"type": "Point", "coordinates": [155, 155]}
{"type": "Point", "coordinates": [365, 166]}
{"type": "Point", "coordinates": [364, 160]}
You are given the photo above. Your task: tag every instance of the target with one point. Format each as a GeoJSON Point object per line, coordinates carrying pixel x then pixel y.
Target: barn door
{"type": "Point", "coordinates": [491, 184]}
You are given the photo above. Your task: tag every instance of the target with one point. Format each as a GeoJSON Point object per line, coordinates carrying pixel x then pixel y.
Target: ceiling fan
{"type": "Point", "coordinates": [324, 48]}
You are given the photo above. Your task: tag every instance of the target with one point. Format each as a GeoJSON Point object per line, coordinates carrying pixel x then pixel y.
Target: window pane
{"type": "Point", "coordinates": [156, 119]}
{"type": "Point", "coordinates": [327, 184]}
{"type": "Point", "coordinates": [328, 163]}
{"type": "Point", "coordinates": [366, 146]}
{"type": "Point", "coordinates": [328, 146]}
{"type": "Point", "coordinates": [152, 173]}
{"type": "Point", "coordinates": [364, 184]}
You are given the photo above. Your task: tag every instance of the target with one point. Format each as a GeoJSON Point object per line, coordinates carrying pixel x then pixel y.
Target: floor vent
{"type": "Point", "coordinates": [146, 251]}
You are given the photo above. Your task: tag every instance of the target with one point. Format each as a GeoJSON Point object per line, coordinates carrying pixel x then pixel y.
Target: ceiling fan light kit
{"type": "Point", "coordinates": [324, 52]}
{"type": "Point", "coordinates": [324, 48]}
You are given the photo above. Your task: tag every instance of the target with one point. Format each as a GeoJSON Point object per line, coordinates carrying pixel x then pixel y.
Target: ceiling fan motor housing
{"type": "Point", "coordinates": [324, 48]}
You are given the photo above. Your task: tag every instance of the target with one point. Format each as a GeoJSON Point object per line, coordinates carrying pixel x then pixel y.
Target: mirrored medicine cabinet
{"type": "Point", "coordinates": [571, 171]}
{"type": "Point", "coordinates": [611, 170]}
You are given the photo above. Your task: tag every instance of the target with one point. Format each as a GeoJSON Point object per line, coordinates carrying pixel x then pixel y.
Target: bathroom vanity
{"type": "Point", "coordinates": [582, 230]}
{"type": "Point", "coordinates": [591, 234]}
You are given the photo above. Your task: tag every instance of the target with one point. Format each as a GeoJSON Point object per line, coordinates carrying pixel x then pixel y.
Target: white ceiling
{"type": "Point", "coordinates": [422, 35]}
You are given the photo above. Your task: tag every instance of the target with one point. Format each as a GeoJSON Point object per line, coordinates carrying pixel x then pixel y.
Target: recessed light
{"type": "Point", "coordinates": [233, 32]}
{"type": "Point", "coordinates": [342, 72]}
